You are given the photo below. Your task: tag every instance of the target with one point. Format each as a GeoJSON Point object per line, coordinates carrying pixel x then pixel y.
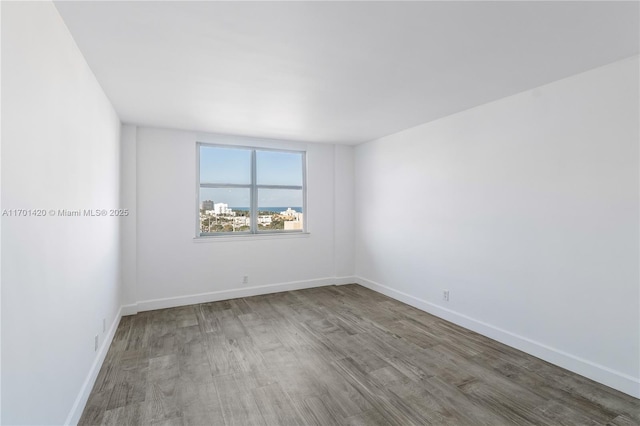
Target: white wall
{"type": "Point", "coordinates": [177, 269]}
{"type": "Point", "coordinates": [344, 253]}
{"type": "Point", "coordinates": [128, 200]}
{"type": "Point", "coordinates": [526, 209]}
{"type": "Point", "coordinates": [60, 278]}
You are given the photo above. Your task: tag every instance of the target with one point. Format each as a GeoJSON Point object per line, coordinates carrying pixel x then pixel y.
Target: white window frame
{"type": "Point", "coordinates": [253, 191]}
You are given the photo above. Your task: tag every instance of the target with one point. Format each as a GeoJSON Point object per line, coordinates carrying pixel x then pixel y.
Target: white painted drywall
{"type": "Point", "coordinates": [344, 204]}
{"type": "Point", "coordinates": [60, 275]}
{"type": "Point", "coordinates": [128, 201]}
{"type": "Point", "coordinates": [0, 221]}
{"type": "Point", "coordinates": [335, 71]}
{"type": "Point", "coordinates": [172, 264]}
{"type": "Point", "coordinates": [526, 210]}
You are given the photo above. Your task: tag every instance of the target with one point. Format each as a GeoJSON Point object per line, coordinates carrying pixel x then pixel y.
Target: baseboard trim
{"type": "Point", "coordinates": [131, 309]}
{"type": "Point", "coordinates": [87, 386]}
{"type": "Point", "coordinates": [599, 373]}
{"type": "Point", "coordinates": [345, 280]}
{"type": "Point", "coordinates": [214, 296]}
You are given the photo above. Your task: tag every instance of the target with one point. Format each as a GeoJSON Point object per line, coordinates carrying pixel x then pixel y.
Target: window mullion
{"type": "Point", "coordinates": [295, 187]}
{"type": "Point", "coordinates": [304, 191]}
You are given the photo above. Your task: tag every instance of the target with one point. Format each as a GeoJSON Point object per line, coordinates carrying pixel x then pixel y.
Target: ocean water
{"type": "Point", "coordinates": [269, 209]}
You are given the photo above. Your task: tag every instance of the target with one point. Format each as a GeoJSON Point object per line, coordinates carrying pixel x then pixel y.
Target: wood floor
{"type": "Point", "coordinates": [331, 356]}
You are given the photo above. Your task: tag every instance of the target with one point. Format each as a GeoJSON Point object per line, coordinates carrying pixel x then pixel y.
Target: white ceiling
{"type": "Point", "coordinates": [343, 72]}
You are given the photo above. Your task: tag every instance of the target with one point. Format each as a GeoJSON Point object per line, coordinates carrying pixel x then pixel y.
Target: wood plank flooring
{"type": "Point", "coordinates": [331, 356]}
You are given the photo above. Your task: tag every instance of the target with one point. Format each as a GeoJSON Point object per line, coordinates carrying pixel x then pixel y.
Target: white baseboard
{"type": "Point", "coordinates": [131, 309]}
{"type": "Point", "coordinates": [345, 280]}
{"type": "Point", "coordinates": [599, 373]}
{"type": "Point", "coordinates": [214, 296]}
{"type": "Point", "coordinates": [87, 386]}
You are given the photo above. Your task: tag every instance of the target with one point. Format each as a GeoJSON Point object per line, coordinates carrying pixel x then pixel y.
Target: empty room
{"type": "Point", "coordinates": [320, 213]}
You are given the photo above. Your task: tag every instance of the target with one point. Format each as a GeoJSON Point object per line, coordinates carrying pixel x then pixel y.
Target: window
{"type": "Point", "coordinates": [250, 190]}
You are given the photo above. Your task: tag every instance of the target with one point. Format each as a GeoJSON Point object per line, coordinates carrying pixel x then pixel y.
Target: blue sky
{"type": "Point", "coordinates": [229, 165]}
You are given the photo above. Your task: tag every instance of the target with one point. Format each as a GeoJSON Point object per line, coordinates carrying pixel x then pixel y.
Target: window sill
{"type": "Point", "coordinates": [250, 237]}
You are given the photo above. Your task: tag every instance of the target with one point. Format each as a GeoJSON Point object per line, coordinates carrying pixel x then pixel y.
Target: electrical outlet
{"type": "Point", "coordinates": [95, 343]}
{"type": "Point", "coordinates": [445, 295]}
{"type": "Point", "coordinates": [104, 325]}
{"type": "Point", "coordinates": [245, 279]}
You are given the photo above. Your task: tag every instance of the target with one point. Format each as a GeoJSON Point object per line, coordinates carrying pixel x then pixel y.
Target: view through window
{"type": "Point", "coordinates": [250, 190]}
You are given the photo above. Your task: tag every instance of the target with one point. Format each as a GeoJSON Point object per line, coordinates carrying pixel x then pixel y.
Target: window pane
{"type": "Point", "coordinates": [224, 210]}
{"type": "Point", "coordinates": [279, 168]}
{"type": "Point", "coordinates": [225, 165]}
{"type": "Point", "coordinates": [280, 209]}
